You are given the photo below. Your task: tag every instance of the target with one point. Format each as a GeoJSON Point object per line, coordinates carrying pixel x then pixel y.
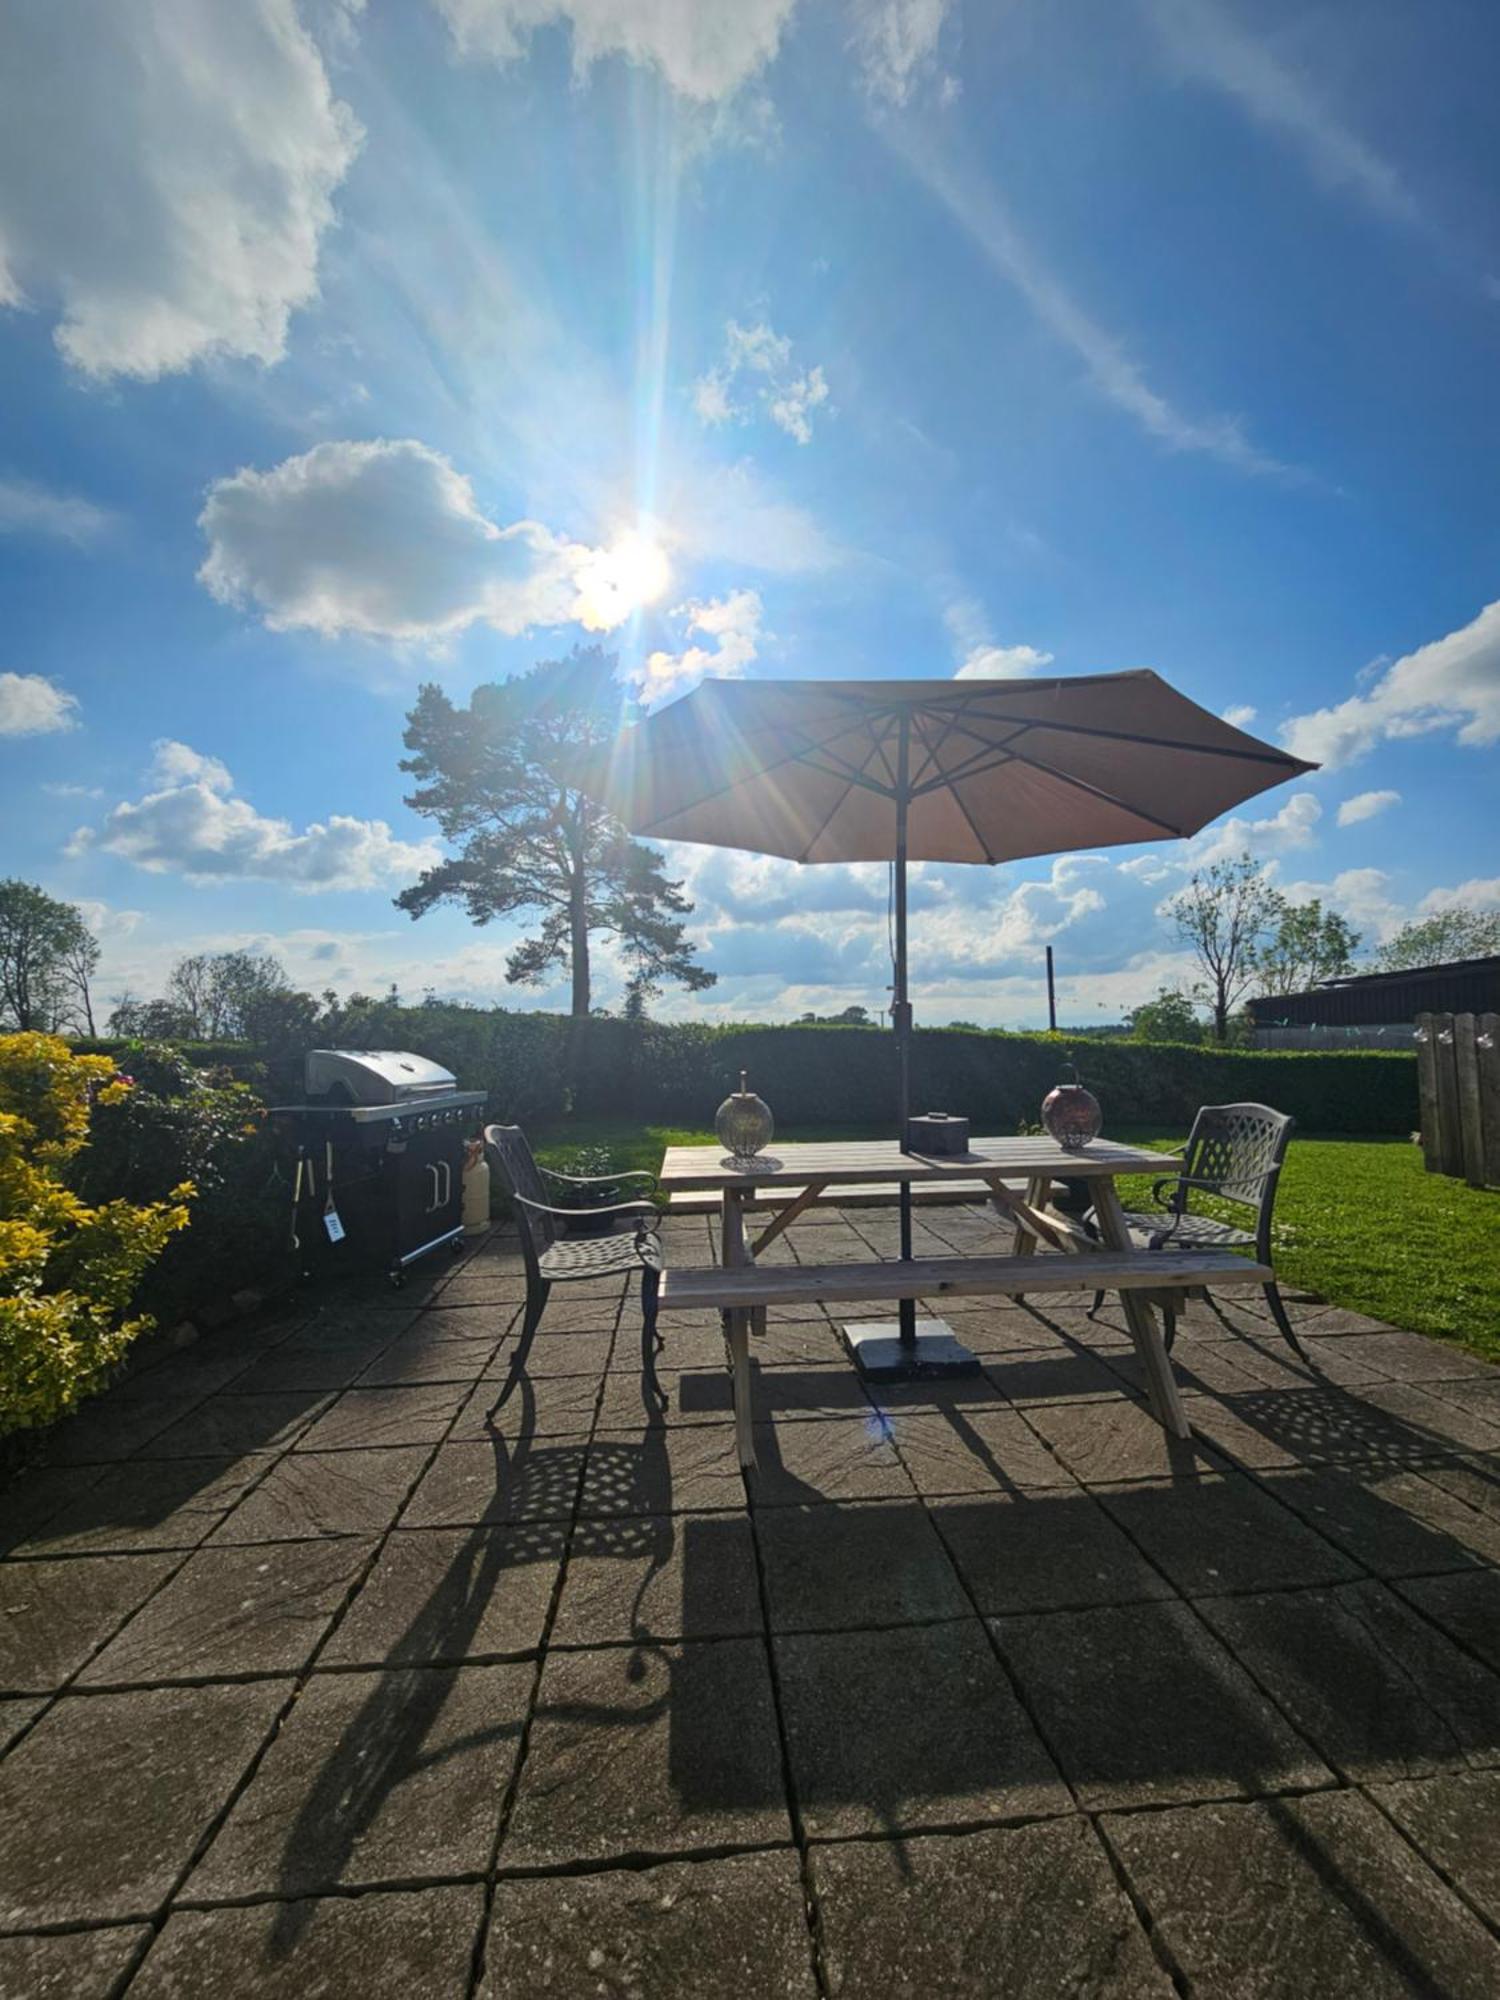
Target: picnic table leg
{"type": "Point", "coordinates": [732, 1255]}
{"type": "Point", "coordinates": [1161, 1383]}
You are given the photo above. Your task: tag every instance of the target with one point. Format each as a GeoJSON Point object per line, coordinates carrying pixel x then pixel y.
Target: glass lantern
{"type": "Point", "coordinates": [744, 1122]}
{"type": "Point", "coordinates": [1071, 1115]}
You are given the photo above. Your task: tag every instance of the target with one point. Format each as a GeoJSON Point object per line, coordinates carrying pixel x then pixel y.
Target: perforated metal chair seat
{"type": "Point", "coordinates": [1154, 1231]}
{"type": "Point", "coordinates": [600, 1256]}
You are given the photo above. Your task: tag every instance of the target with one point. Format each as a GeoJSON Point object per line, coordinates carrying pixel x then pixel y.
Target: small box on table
{"type": "Point", "coordinates": [938, 1134]}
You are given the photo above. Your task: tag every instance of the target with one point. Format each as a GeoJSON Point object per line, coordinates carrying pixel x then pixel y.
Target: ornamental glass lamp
{"type": "Point", "coordinates": [744, 1122]}
{"type": "Point", "coordinates": [1071, 1115]}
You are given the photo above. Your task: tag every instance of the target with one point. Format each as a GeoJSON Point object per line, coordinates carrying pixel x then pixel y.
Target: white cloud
{"type": "Point", "coordinates": [1480, 893]}
{"type": "Point", "coordinates": [727, 514]}
{"type": "Point", "coordinates": [1294, 825]}
{"type": "Point", "coordinates": [1239, 715]}
{"type": "Point", "coordinates": [386, 539]}
{"type": "Point", "coordinates": [193, 825]}
{"type": "Point", "coordinates": [895, 43]}
{"type": "Point", "coordinates": [166, 174]}
{"type": "Point", "coordinates": [174, 763]}
{"type": "Point", "coordinates": [979, 210]}
{"type": "Point", "coordinates": [979, 658]}
{"type": "Point", "coordinates": [31, 705]}
{"type": "Point", "coordinates": [731, 623]}
{"type": "Point", "coordinates": [28, 509]}
{"type": "Point", "coordinates": [74, 791]}
{"type": "Point", "coordinates": [706, 49]}
{"type": "Point", "coordinates": [1002, 663]}
{"type": "Point", "coordinates": [1451, 683]}
{"type": "Point", "coordinates": [1365, 805]}
{"type": "Point", "coordinates": [757, 372]}
{"type": "Point", "coordinates": [1208, 44]}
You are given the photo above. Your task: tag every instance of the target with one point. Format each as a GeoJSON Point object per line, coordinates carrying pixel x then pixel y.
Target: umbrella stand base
{"type": "Point", "coordinates": [875, 1347]}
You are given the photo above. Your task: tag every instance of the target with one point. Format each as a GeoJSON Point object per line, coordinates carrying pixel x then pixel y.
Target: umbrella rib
{"type": "Point", "coordinates": [948, 786]}
{"type": "Point", "coordinates": [1028, 722]}
{"type": "Point", "coordinates": [1098, 792]}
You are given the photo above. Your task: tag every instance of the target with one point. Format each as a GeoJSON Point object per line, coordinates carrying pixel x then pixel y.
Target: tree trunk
{"type": "Point", "coordinates": [1221, 1016]}
{"type": "Point", "coordinates": [578, 944]}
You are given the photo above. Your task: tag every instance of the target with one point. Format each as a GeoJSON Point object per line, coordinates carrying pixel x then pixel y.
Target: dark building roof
{"type": "Point", "coordinates": [1377, 999]}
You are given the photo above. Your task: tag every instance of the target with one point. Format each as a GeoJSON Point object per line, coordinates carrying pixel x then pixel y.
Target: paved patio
{"type": "Point", "coordinates": [314, 1685]}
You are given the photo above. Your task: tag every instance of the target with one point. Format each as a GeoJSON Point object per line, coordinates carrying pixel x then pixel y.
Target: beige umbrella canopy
{"type": "Point", "coordinates": [978, 771]}
{"type": "Point", "coordinates": [986, 770]}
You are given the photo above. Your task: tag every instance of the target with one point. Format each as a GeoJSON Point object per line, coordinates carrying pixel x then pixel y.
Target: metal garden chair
{"type": "Point", "coordinates": [1234, 1154]}
{"type": "Point", "coordinates": [554, 1257]}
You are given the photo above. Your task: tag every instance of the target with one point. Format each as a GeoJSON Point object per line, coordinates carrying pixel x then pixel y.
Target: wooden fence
{"type": "Point", "coordinates": [1458, 1087]}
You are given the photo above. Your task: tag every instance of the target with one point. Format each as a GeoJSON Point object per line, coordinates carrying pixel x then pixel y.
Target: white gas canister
{"type": "Point", "coordinates": [476, 1189]}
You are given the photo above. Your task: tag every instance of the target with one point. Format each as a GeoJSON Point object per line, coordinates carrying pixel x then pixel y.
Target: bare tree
{"type": "Point", "coordinates": [1225, 913]}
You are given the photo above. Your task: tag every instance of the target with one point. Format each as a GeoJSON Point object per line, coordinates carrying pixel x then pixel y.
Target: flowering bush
{"type": "Point", "coordinates": [68, 1270]}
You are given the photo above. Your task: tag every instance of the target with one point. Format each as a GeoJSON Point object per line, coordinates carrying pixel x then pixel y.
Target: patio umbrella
{"type": "Point", "coordinates": [898, 771]}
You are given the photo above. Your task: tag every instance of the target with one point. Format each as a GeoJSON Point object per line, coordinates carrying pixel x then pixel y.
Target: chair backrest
{"type": "Point", "coordinates": [514, 1163]}
{"type": "Point", "coordinates": [1239, 1148]}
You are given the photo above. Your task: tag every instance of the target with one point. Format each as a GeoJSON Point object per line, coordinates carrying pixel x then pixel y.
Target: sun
{"type": "Point", "coordinates": [617, 581]}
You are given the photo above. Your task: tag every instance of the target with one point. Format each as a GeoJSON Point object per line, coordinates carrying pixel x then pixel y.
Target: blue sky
{"type": "Point", "coordinates": [351, 346]}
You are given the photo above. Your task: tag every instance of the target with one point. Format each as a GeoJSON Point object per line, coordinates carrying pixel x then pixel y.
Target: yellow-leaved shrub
{"type": "Point", "coordinates": [68, 1271]}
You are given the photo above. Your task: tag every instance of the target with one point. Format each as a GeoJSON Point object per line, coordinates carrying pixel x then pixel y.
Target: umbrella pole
{"type": "Point", "coordinates": [901, 1019]}
{"type": "Point", "coordinates": [884, 1351]}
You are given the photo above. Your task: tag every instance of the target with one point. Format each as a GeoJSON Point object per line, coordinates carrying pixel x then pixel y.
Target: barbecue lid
{"type": "Point", "coordinates": [373, 1076]}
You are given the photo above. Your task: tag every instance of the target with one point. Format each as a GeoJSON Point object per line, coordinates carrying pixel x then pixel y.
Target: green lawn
{"type": "Point", "coordinates": [1358, 1220]}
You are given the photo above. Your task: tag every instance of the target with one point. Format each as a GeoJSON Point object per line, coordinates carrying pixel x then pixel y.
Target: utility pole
{"type": "Point", "coordinates": [1051, 995]}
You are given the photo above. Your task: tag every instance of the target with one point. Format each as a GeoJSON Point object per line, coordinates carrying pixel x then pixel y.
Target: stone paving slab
{"type": "Point", "coordinates": [1395, 1523]}
{"type": "Point", "coordinates": [871, 1562]}
{"type": "Point", "coordinates": [916, 1727]}
{"type": "Point", "coordinates": [312, 1494]}
{"type": "Point", "coordinates": [79, 1965]}
{"type": "Point", "coordinates": [103, 1803]}
{"type": "Point", "coordinates": [1374, 1688]}
{"type": "Point", "coordinates": [362, 1419]}
{"type": "Point", "coordinates": [1183, 1720]}
{"type": "Point", "coordinates": [371, 1947]}
{"type": "Point", "coordinates": [659, 1576]}
{"type": "Point", "coordinates": [234, 1425]}
{"type": "Point", "coordinates": [835, 1458]}
{"type": "Point", "coordinates": [718, 1930]}
{"type": "Point", "coordinates": [16, 1711]}
{"type": "Point", "coordinates": [973, 1451]}
{"type": "Point", "coordinates": [163, 1504]}
{"type": "Point", "coordinates": [439, 1596]}
{"type": "Point", "coordinates": [1455, 1821]}
{"type": "Point", "coordinates": [1302, 1896]}
{"type": "Point", "coordinates": [234, 1611]}
{"type": "Point", "coordinates": [1028, 1912]}
{"type": "Point", "coordinates": [54, 1614]}
{"type": "Point", "coordinates": [629, 1755]}
{"type": "Point", "coordinates": [1466, 1606]}
{"type": "Point", "coordinates": [1222, 1533]}
{"type": "Point", "coordinates": [554, 1406]}
{"type": "Point", "coordinates": [1040, 1550]}
{"type": "Point", "coordinates": [472, 1484]}
{"type": "Point", "coordinates": [1103, 1443]}
{"type": "Point", "coordinates": [374, 1778]}
{"type": "Point", "coordinates": [690, 1468]}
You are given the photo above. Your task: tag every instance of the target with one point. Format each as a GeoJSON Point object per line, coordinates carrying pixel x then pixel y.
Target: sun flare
{"type": "Point", "coordinates": [619, 580]}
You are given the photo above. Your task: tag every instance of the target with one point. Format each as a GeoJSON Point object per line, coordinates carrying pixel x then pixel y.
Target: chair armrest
{"type": "Point", "coordinates": [1180, 1183]}
{"type": "Point", "coordinates": [642, 1208]}
{"type": "Point", "coordinates": [599, 1180]}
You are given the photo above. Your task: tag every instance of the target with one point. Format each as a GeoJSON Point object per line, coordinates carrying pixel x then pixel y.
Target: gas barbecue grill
{"type": "Point", "coordinates": [378, 1152]}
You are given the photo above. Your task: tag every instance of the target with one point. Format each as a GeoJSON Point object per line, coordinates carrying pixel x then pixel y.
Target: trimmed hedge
{"type": "Point", "coordinates": [677, 1073]}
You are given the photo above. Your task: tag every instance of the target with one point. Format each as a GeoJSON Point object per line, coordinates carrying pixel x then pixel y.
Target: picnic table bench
{"type": "Point", "coordinates": [737, 1292]}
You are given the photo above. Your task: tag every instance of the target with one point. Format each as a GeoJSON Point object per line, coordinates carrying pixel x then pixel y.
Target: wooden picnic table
{"type": "Point", "coordinates": [1018, 1173]}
